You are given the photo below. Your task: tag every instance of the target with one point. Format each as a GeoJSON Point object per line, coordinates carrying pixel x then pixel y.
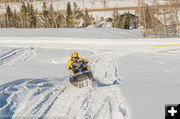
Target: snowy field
{"type": "Point", "coordinates": [135, 77]}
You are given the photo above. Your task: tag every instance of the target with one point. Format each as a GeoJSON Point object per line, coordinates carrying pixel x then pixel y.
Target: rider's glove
{"type": "Point", "coordinates": [70, 67]}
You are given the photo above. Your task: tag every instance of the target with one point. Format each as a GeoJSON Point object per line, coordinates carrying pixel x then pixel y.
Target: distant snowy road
{"type": "Point", "coordinates": [85, 43]}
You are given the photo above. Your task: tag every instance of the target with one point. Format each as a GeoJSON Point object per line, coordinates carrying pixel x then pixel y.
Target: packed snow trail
{"type": "Point", "coordinates": [100, 102]}
{"type": "Point", "coordinates": [57, 98]}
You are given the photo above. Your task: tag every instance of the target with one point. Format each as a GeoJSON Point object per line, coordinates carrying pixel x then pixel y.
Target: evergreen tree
{"type": "Point", "coordinates": [117, 20]}
{"type": "Point", "coordinates": [23, 14]}
{"type": "Point", "coordinates": [126, 21]}
{"type": "Point", "coordinates": [69, 17]}
{"type": "Point", "coordinates": [45, 14]}
{"type": "Point", "coordinates": [77, 14]}
{"type": "Point", "coordinates": [86, 19]}
{"type": "Point", "coordinates": [68, 9]}
{"type": "Point", "coordinates": [9, 16]}
{"type": "Point", "coordinates": [28, 21]}
{"type": "Point", "coordinates": [60, 21]}
{"type": "Point", "coordinates": [15, 19]}
{"type": "Point", "coordinates": [51, 17]}
{"type": "Point", "coordinates": [148, 18]}
{"type": "Point", "coordinates": [33, 20]}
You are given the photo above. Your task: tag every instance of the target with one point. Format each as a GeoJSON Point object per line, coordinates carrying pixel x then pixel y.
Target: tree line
{"type": "Point", "coordinates": [28, 17]}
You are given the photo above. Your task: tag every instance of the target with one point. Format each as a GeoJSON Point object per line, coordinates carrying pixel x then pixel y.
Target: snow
{"type": "Point", "coordinates": [15, 55]}
{"type": "Point", "coordinates": [34, 96]}
{"type": "Point", "coordinates": [92, 33]}
{"type": "Point", "coordinates": [135, 78]}
{"type": "Point", "coordinates": [151, 2]}
{"type": "Point", "coordinates": [151, 80]}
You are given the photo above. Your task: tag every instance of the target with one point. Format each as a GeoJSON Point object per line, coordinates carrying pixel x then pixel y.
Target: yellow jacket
{"type": "Point", "coordinates": [70, 62]}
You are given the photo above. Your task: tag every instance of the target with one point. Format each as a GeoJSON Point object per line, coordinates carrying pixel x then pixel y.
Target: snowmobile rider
{"type": "Point", "coordinates": [75, 58]}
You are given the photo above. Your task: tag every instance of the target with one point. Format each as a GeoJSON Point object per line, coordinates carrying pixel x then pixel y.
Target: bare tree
{"type": "Point", "coordinates": [171, 17]}
{"type": "Point", "coordinates": [156, 17]}
{"type": "Point", "coordinates": [104, 5]}
{"type": "Point", "coordinates": [83, 6]}
{"type": "Point", "coordinates": [139, 11]}
{"type": "Point", "coordinates": [92, 2]}
{"type": "Point", "coordinates": [177, 19]}
{"type": "Point", "coordinates": [165, 23]}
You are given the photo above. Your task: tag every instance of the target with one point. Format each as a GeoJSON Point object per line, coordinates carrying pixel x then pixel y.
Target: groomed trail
{"type": "Point", "coordinates": [57, 98]}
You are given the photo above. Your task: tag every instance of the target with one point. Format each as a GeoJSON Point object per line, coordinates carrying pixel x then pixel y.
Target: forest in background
{"type": "Point", "coordinates": [153, 20]}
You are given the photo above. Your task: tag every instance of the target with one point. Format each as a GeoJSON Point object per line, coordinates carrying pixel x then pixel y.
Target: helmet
{"type": "Point", "coordinates": [75, 55]}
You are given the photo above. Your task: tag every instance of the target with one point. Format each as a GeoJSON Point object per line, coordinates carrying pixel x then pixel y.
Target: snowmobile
{"type": "Point", "coordinates": [82, 74]}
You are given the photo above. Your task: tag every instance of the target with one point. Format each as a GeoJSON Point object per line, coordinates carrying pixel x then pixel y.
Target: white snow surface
{"type": "Point", "coordinates": [134, 79]}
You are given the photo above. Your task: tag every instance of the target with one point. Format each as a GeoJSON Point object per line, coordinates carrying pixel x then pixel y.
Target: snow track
{"type": "Point", "coordinates": [16, 55]}
{"type": "Point", "coordinates": [56, 98]}
{"type": "Point", "coordinates": [27, 98]}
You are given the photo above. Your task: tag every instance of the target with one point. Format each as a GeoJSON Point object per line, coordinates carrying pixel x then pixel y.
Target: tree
{"type": "Point", "coordinates": [9, 16]}
{"type": "Point", "coordinates": [148, 18]}
{"type": "Point", "coordinates": [15, 19]}
{"type": "Point", "coordinates": [28, 21]}
{"type": "Point", "coordinates": [33, 20]}
{"type": "Point", "coordinates": [117, 20]}
{"type": "Point", "coordinates": [60, 21]}
{"type": "Point", "coordinates": [69, 17]}
{"type": "Point", "coordinates": [86, 19]}
{"type": "Point", "coordinates": [77, 14]}
{"type": "Point", "coordinates": [126, 21]}
{"type": "Point", "coordinates": [114, 18]}
{"type": "Point", "coordinates": [23, 14]}
{"type": "Point", "coordinates": [104, 4]}
{"type": "Point", "coordinates": [51, 16]}
{"type": "Point", "coordinates": [45, 14]}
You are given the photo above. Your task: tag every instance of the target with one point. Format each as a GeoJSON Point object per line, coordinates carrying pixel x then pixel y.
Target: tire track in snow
{"type": "Point", "coordinates": [51, 98]}
{"type": "Point", "coordinates": [28, 98]}
{"type": "Point", "coordinates": [15, 56]}
{"type": "Point", "coordinates": [105, 67]}
{"type": "Point", "coordinates": [108, 80]}
{"type": "Point", "coordinates": [52, 103]}
{"type": "Point", "coordinates": [100, 102]}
